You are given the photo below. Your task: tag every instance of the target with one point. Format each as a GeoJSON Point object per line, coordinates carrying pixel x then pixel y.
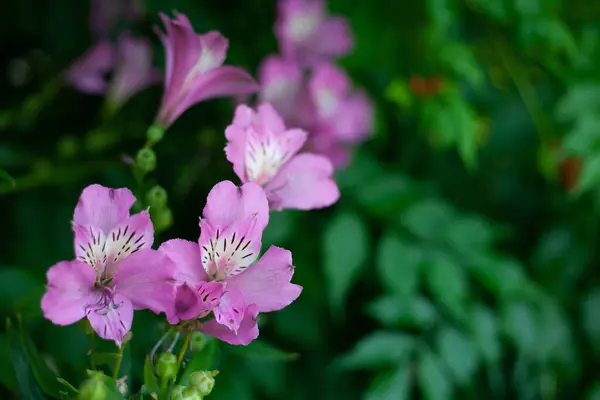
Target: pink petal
{"type": "Point", "coordinates": [103, 207]}
{"type": "Point", "coordinates": [214, 51]}
{"type": "Point", "coordinates": [304, 183]}
{"type": "Point", "coordinates": [130, 236]}
{"type": "Point", "coordinates": [329, 86]}
{"type": "Point", "coordinates": [227, 204]}
{"type": "Point", "coordinates": [280, 81]}
{"type": "Point", "coordinates": [218, 82]}
{"type": "Point", "coordinates": [334, 38]}
{"type": "Point", "coordinates": [235, 150]}
{"type": "Point", "coordinates": [247, 332]}
{"type": "Point", "coordinates": [267, 283]}
{"type": "Point", "coordinates": [70, 285]}
{"type": "Point", "coordinates": [146, 278]}
{"type": "Point", "coordinates": [88, 73]}
{"type": "Point", "coordinates": [114, 321]}
{"type": "Point", "coordinates": [191, 303]}
{"type": "Point", "coordinates": [185, 256]}
{"type": "Point", "coordinates": [355, 121]}
{"type": "Point", "coordinates": [230, 309]}
{"type": "Point", "coordinates": [90, 246]}
{"type": "Point", "coordinates": [268, 118]}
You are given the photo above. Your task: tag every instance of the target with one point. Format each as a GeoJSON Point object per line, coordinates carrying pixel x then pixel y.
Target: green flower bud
{"type": "Point", "coordinates": [177, 392]}
{"type": "Point", "coordinates": [166, 367]}
{"type": "Point", "coordinates": [191, 393]}
{"type": "Point", "coordinates": [198, 341]}
{"type": "Point", "coordinates": [155, 134]}
{"type": "Point", "coordinates": [162, 219]}
{"type": "Point", "coordinates": [146, 160]}
{"type": "Point", "coordinates": [93, 389]}
{"type": "Point", "coordinates": [204, 381]}
{"type": "Point", "coordinates": [157, 197]}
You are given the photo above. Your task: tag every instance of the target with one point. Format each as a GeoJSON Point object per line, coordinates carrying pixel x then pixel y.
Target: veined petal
{"type": "Point", "coordinates": [186, 259]}
{"type": "Point", "coordinates": [304, 183]}
{"type": "Point", "coordinates": [130, 236]}
{"type": "Point", "coordinates": [146, 278]}
{"type": "Point", "coordinates": [69, 291]}
{"type": "Point", "coordinates": [103, 207]}
{"type": "Point", "coordinates": [90, 246]}
{"type": "Point", "coordinates": [194, 302]}
{"type": "Point", "coordinates": [227, 204]}
{"type": "Point", "coordinates": [230, 309]}
{"type": "Point", "coordinates": [247, 332]}
{"type": "Point", "coordinates": [267, 283]}
{"type": "Point", "coordinates": [111, 318]}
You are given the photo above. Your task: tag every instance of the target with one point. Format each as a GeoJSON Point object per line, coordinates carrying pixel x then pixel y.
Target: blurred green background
{"type": "Point", "coordinates": [461, 260]}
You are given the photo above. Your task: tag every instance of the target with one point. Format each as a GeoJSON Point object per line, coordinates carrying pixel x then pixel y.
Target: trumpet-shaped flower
{"type": "Point", "coordinates": [307, 34]}
{"type": "Point", "coordinates": [115, 271]}
{"type": "Point", "coordinates": [89, 73]}
{"type": "Point", "coordinates": [263, 151]}
{"type": "Point", "coordinates": [194, 70]}
{"type": "Point", "coordinates": [221, 273]}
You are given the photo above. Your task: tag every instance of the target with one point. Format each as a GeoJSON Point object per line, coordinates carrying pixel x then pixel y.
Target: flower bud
{"type": "Point", "coordinates": [146, 160]}
{"type": "Point", "coordinates": [157, 197]}
{"type": "Point", "coordinates": [162, 218]}
{"type": "Point", "coordinates": [166, 366]}
{"type": "Point", "coordinates": [177, 392]}
{"type": "Point", "coordinates": [191, 393]}
{"type": "Point", "coordinates": [155, 134]}
{"type": "Point", "coordinates": [198, 341]}
{"type": "Point", "coordinates": [204, 381]}
{"type": "Point", "coordinates": [93, 389]}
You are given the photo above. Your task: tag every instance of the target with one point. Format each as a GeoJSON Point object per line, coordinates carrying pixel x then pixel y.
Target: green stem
{"type": "Point", "coordinates": [92, 362]}
{"type": "Point", "coordinates": [118, 361]}
{"type": "Point", "coordinates": [184, 346]}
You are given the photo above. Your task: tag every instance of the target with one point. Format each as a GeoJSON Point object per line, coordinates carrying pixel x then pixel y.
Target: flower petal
{"type": "Point", "coordinates": [230, 309]}
{"type": "Point", "coordinates": [130, 236]}
{"type": "Point", "coordinates": [304, 183]}
{"type": "Point", "coordinates": [355, 121]}
{"type": "Point", "coordinates": [227, 204]}
{"type": "Point", "coordinates": [334, 38]}
{"type": "Point", "coordinates": [69, 291]}
{"type": "Point", "coordinates": [88, 73]}
{"type": "Point", "coordinates": [247, 332]}
{"type": "Point", "coordinates": [280, 81]}
{"type": "Point", "coordinates": [186, 259]}
{"type": "Point", "coordinates": [90, 246]}
{"type": "Point", "coordinates": [267, 283]}
{"type": "Point", "coordinates": [103, 207]}
{"type": "Point", "coordinates": [196, 302]}
{"type": "Point", "coordinates": [113, 321]}
{"type": "Point", "coordinates": [146, 278]}
{"type": "Point", "coordinates": [235, 150]}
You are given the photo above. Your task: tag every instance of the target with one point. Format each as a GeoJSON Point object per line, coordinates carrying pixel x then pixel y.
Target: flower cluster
{"type": "Point", "coordinates": [218, 284]}
{"type": "Point", "coordinates": [307, 88]}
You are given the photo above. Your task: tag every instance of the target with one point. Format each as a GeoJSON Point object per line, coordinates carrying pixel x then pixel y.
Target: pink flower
{"type": "Point", "coordinates": [134, 71]}
{"type": "Point", "coordinates": [307, 34]}
{"type": "Point", "coordinates": [263, 151]}
{"type": "Point", "coordinates": [194, 70]}
{"type": "Point", "coordinates": [115, 270]}
{"type": "Point", "coordinates": [89, 72]}
{"type": "Point", "coordinates": [221, 272]}
{"type": "Point", "coordinates": [280, 82]}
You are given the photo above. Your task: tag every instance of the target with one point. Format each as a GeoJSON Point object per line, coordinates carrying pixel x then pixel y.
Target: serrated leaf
{"type": "Point", "coordinates": [398, 264]}
{"type": "Point", "coordinates": [390, 386]}
{"type": "Point", "coordinates": [379, 349]}
{"type": "Point", "coordinates": [435, 385]}
{"type": "Point", "coordinates": [262, 351]}
{"type": "Point", "coordinates": [345, 248]}
{"type": "Point", "coordinates": [458, 352]}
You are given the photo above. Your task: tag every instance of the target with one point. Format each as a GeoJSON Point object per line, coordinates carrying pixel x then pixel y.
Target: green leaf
{"type": "Point", "coordinates": [518, 320]}
{"type": "Point", "coordinates": [428, 219]}
{"type": "Point", "coordinates": [20, 291]}
{"type": "Point", "coordinates": [66, 384]}
{"type": "Point", "coordinates": [459, 354]}
{"type": "Point", "coordinates": [150, 380]}
{"type": "Point", "coordinates": [591, 318]}
{"type": "Point", "coordinates": [447, 281]}
{"type": "Point", "coordinates": [262, 351]}
{"type": "Point", "coordinates": [589, 177]}
{"type": "Point", "coordinates": [28, 387]}
{"type": "Point", "coordinates": [390, 386]}
{"type": "Point", "coordinates": [399, 93]}
{"type": "Point", "coordinates": [503, 277]}
{"type": "Point", "coordinates": [385, 194]}
{"type": "Point", "coordinates": [497, 10]}
{"type": "Point", "coordinates": [379, 349]}
{"type": "Point", "coordinates": [435, 385]}
{"type": "Point", "coordinates": [398, 264]}
{"type": "Point", "coordinates": [202, 361]}
{"type": "Point", "coordinates": [469, 233]}
{"type": "Point", "coordinates": [584, 138]}
{"type": "Point", "coordinates": [5, 176]}
{"type": "Point", "coordinates": [345, 247]}
{"type": "Point", "coordinates": [104, 358]}
{"type": "Point", "coordinates": [413, 312]}
{"type": "Point", "coordinates": [582, 97]}
{"type": "Point", "coordinates": [458, 58]}
{"type": "Point", "coordinates": [485, 333]}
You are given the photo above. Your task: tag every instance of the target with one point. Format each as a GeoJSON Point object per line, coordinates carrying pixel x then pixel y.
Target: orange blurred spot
{"type": "Point", "coordinates": [569, 172]}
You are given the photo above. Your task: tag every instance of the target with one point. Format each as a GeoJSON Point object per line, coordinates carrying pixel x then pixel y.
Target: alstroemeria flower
{"type": "Point", "coordinates": [263, 151]}
{"type": "Point", "coordinates": [221, 271]}
{"type": "Point", "coordinates": [89, 73]}
{"type": "Point", "coordinates": [115, 271]}
{"type": "Point", "coordinates": [307, 34]}
{"type": "Point", "coordinates": [105, 14]}
{"type": "Point", "coordinates": [280, 83]}
{"type": "Point", "coordinates": [134, 71]}
{"type": "Point", "coordinates": [194, 70]}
